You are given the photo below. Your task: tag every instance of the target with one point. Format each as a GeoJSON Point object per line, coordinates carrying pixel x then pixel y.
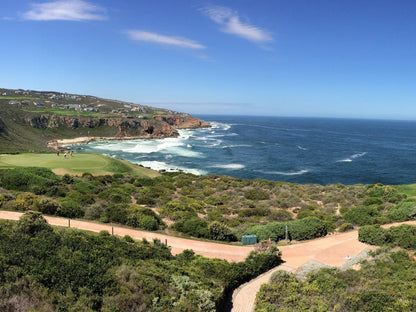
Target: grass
{"type": "Point", "coordinates": [95, 164]}
{"type": "Point", "coordinates": [408, 189]}
{"type": "Point", "coordinates": [68, 112]}
{"type": "Point", "coordinates": [20, 98]}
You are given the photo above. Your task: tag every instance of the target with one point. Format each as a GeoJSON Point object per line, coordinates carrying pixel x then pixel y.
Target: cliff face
{"type": "Point", "coordinates": [157, 127]}
{"type": "Point", "coordinates": [182, 121]}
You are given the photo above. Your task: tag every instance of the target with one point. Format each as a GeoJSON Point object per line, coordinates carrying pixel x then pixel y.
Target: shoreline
{"type": "Point", "coordinates": [58, 144]}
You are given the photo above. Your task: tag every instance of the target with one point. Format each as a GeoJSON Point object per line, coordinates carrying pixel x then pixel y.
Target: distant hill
{"type": "Point", "coordinates": [29, 119]}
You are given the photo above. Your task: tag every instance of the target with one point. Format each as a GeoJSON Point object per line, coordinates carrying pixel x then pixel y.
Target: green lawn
{"type": "Point", "coordinates": [69, 112]}
{"type": "Point", "coordinates": [408, 189]}
{"type": "Point", "coordinates": [95, 164]}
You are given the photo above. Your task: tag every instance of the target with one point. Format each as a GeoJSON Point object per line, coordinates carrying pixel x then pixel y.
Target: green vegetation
{"type": "Point", "coordinates": [383, 284]}
{"type": "Point", "coordinates": [95, 164]}
{"type": "Point", "coordinates": [69, 112]}
{"type": "Point", "coordinates": [403, 236]}
{"type": "Point", "coordinates": [210, 207]}
{"type": "Point", "coordinates": [45, 269]}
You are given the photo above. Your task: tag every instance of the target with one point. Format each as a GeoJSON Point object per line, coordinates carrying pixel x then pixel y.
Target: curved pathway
{"type": "Point", "coordinates": [333, 250]}
{"type": "Point", "coordinates": [177, 244]}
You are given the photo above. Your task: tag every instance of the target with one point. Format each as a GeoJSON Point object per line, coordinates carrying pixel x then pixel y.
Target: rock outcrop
{"type": "Point", "coordinates": [183, 121]}
{"type": "Point", "coordinates": [124, 127]}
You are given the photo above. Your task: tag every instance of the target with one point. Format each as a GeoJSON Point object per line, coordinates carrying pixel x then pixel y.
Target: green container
{"type": "Point", "coordinates": [249, 239]}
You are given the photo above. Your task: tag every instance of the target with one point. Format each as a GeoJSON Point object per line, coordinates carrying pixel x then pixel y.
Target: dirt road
{"type": "Point", "coordinates": [177, 244]}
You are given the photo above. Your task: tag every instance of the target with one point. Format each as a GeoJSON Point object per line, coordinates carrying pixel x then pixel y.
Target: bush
{"type": "Point", "coordinates": [345, 227]}
{"type": "Point", "coordinates": [23, 179]}
{"type": "Point", "coordinates": [144, 218]}
{"type": "Point", "coordinates": [193, 226]}
{"type": "Point", "coordinates": [373, 235]}
{"type": "Point", "coordinates": [256, 194]}
{"type": "Point", "coordinates": [403, 211]}
{"type": "Point", "coordinates": [49, 206]}
{"type": "Point", "coordinates": [361, 215]}
{"type": "Point", "coordinates": [70, 209]}
{"type": "Point", "coordinates": [116, 213]}
{"type": "Point", "coordinates": [301, 229]}
{"type": "Point", "coordinates": [404, 236]}
{"type": "Point", "coordinates": [96, 210]}
{"type": "Point", "coordinates": [33, 222]}
{"type": "Point", "coordinates": [219, 231]}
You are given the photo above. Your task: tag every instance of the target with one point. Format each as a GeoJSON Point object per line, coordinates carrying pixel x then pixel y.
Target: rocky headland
{"type": "Point", "coordinates": [44, 120]}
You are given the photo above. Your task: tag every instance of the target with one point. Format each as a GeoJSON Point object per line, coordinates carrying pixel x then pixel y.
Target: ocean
{"type": "Point", "coordinates": [300, 150]}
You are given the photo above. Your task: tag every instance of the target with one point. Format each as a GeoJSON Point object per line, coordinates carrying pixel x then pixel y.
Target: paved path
{"type": "Point", "coordinates": [177, 244]}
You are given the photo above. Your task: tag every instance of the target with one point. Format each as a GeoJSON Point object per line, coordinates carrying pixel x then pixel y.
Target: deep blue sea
{"type": "Point", "coordinates": [302, 150]}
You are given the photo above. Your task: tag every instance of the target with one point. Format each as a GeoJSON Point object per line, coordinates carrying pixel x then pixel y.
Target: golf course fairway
{"type": "Point", "coordinates": [77, 164]}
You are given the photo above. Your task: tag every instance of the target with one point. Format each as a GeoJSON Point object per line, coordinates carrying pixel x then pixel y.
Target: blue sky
{"type": "Point", "coordinates": [329, 58]}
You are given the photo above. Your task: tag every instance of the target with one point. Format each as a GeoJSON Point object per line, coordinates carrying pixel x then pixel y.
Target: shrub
{"type": "Point", "coordinates": [67, 179]}
{"type": "Point", "coordinates": [193, 226]}
{"type": "Point", "coordinates": [403, 211]}
{"type": "Point", "coordinates": [307, 228]}
{"type": "Point", "coordinates": [70, 209]}
{"type": "Point", "coordinates": [256, 194]}
{"type": "Point", "coordinates": [302, 229]}
{"type": "Point", "coordinates": [49, 206]}
{"type": "Point", "coordinates": [87, 187]}
{"type": "Point", "coordinates": [219, 231]}
{"type": "Point", "coordinates": [33, 222]}
{"type": "Point", "coordinates": [96, 210]}
{"type": "Point", "coordinates": [361, 215]}
{"type": "Point", "coordinates": [23, 179]}
{"type": "Point", "coordinates": [144, 182]}
{"type": "Point", "coordinates": [404, 236]}
{"type": "Point", "coordinates": [115, 195]}
{"type": "Point", "coordinates": [373, 235]}
{"type": "Point", "coordinates": [345, 227]}
{"type": "Point", "coordinates": [144, 218]}
{"type": "Point", "coordinates": [116, 213]}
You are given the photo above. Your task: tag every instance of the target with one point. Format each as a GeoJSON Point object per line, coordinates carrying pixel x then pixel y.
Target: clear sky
{"type": "Point", "coordinates": [330, 58]}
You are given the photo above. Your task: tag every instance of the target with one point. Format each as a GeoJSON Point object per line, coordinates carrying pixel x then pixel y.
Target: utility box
{"type": "Point", "coordinates": [249, 239]}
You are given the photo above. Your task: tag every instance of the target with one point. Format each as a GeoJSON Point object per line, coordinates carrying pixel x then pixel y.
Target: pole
{"type": "Point", "coordinates": [69, 222]}
{"type": "Point", "coordinates": [286, 234]}
{"type": "Point", "coordinates": [112, 230]}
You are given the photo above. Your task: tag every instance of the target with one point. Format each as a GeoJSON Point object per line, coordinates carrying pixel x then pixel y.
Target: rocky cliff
{"type": "Point", "coordinates": [119, 127]}
{"type": "Point", "coordinates": [182, 121]}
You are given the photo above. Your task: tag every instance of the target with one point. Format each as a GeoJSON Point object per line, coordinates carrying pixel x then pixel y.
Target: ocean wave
{"type": "Point", "coordinates": [352, 157]}
{"type": "Point", "coordinates": [237, 145]}
{"type": "Point", "coordinates": [177, 146]}
{"type": "Point", "coordinates": [160, 165]}
{"type": "Point", "coordinates": [228, 166]}
{"type": "Point", "coordinates": [301, 148]}
{"type": "Point", "coordinates": [219, 125]}
{"type": "Point", "coordinates": [290, 173]}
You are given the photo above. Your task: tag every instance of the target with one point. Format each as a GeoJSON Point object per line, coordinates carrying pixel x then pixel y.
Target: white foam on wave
{"type": "Point", "coordinates": [290, 173]}
{"type": "Point", "coordinates": [176, 146]}
{"type": "Point", "coordinates": [301, 148]}
{"type": "Point", "coordinates": [219, 125]}
{"type": "Point", "coordinates": [160, 165]}
{"type": "Point", "coordinates": [351, 158]}
{"type": "Point", "coordinates": [345, 160]}
{"type": "Point", "coordinates": [228, 166]}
